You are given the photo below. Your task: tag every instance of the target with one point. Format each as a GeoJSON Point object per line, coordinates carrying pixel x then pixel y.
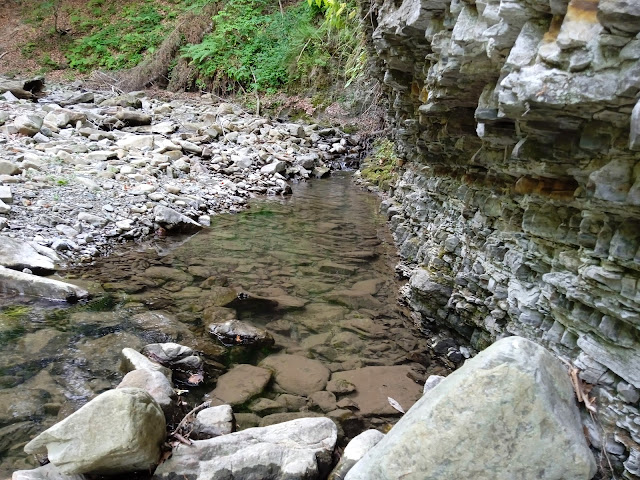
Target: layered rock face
{"type": "Point", "coordinates": [518, 209]}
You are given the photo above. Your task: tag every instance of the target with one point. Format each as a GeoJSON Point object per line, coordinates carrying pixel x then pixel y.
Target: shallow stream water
{"type": "Point", "coordinates": [324, 255]}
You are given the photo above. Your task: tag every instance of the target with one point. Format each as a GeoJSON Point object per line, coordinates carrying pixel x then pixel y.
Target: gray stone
{"type": "Point", "coordinates": [354, 451]}
{"type": "Point", "coordinates": [126, 430]}
{"type": "Point", "coordinates": [95, 220]}
{"type": "Point", "coordinates": [134, 360]}
{"type": "Point", "coordinates": [620, 15]}
{"type": "Point", "coordinates": [138, 142]}
{"type": "Point", "coordinates": [515, 380]}
{"type": "Point", "coordinates": [46, 472]}
{"type": "Point", "coordinates": [172, 220]}
{"type": "Point", "coordinates": [9, 168]}
{"type": "Point", "coordinates": [634, 135]}
{"type": "Point", "coordinates": [155, 384]}
{"type": "Point", "coordinates": [21, 283]}
{"type": "Point", "coordinates": [297, 450]}
{"type": "Point", "coordinates": [133, 119]}
{"type": "Point", "coordinates": [613, 181]}
{"type": "Point", "coordinates": [5, 194]}
{"type": "Point", "coordinates": [213, 422]}
{"type": "Point", "coordinates": [275, 167]}
{"type": "Point", "coordinates": [235, 332]}
{"type": "Point", "coordinates": [186, 365]}
{"type": "Point", "coordinates": [29, 124]}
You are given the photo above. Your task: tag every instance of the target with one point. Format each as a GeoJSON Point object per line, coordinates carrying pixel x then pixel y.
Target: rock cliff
{"type": "Point", "coordinates": [518, 208]}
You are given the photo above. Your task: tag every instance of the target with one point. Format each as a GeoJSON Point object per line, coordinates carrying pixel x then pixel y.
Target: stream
{"type": "Point", "coordinates": [323, 257]}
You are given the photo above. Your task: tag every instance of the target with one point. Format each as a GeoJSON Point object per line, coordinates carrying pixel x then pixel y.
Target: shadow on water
{"type": "Point", "coordinates": [321, 263]}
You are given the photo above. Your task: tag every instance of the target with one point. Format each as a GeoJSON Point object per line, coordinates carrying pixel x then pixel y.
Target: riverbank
{"type": "Point", "coordinates": [81, 171]}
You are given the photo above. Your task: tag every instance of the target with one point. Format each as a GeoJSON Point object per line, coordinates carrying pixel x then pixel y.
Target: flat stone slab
{"type": "Point", "coordinates": [42, 287]}
{"type": "Point", "coordinates": [296, 450]}
{"type": "Point", "coordinates": [297, 374]}
{"type": "Point", "coordinates": [375, 384]}
{"type": "Point", "coordinates": [18, 255]}
{"type": "Point", "coordinates": [240, 384]}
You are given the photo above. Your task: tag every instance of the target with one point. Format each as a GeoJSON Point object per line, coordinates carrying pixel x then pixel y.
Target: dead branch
{"type": "Point", "coordinates": [186, 418]}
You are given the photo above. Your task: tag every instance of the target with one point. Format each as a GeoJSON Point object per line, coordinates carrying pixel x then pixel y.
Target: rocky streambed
{"type": "Point", "coordinates": [82, 170]}
{"type": "Point", "coordinates": [277, 328]}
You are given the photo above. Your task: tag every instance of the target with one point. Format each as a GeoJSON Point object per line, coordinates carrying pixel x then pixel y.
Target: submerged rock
{"type": "Point", "coordinates": [240, 384]}
{"type": "Point", "coordinates": [297, 374]}
{"type": "Point", "coordinates": [297, 450]}
{"type": "Point", "coordinates": [235, 332]}
{"type": "Point", "coordinates": [118, 431]}
{"type": "Point", "coordinates": [374, 385]}
{"type": "Point", "coordinates": [508, 413]}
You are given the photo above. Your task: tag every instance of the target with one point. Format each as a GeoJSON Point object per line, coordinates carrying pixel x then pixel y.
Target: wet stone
{"type": "Point", "coordinates": [235, 332]}
{"type": "Point", "coordinates": [240, 384]}
{"type": "Point", "coordinates": [296, 374]}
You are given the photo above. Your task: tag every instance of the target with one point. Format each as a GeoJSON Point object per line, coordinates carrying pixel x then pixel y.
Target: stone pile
{"type": "Point", "coordinates": [508, 413]}
{"type": "Point", "coordinates": [82, 170]}
{"type": "Point", "coordinates": [518, 209]}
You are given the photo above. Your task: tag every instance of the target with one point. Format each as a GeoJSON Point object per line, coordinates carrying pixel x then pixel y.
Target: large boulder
{"type": "Point", "coordinates": [118, 431]}
{"type": "Point", "coordinates": [296, 450]}
{"type": "Point", "coordinates": [508, 413]}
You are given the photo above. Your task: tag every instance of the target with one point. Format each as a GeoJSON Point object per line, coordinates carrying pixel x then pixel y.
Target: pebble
{"type": "Point", "coordinates": [56, 161]}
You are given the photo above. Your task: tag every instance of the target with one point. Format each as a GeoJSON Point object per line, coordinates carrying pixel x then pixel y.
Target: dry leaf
{"type": "Point", "coordinates": [395, 405]}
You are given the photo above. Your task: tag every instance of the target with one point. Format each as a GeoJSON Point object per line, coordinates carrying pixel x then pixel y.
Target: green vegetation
{"type": "Point", "coordinates": [257, 46]}
{"type": "Point", "coordinates": [237, 46]}
{"type": "Point", "coordinates": [381, 168]}
{"type": "Point", "coordinates": [103, 35]}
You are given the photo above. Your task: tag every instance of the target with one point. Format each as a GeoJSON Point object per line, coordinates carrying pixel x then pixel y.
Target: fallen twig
{"type": "Point", "coordinates": [581, 388]}
{"type": "Point", "coordinates": [185, 419]}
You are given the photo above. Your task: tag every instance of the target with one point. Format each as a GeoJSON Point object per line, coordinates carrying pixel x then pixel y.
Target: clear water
{"type": "Point", "coordinates": [324, 254]}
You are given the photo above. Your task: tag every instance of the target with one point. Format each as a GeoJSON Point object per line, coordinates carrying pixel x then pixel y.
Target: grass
{"type": "Point", "coordinates": [104, 34]}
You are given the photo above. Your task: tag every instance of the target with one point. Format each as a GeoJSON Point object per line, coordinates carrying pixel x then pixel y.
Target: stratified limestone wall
{"type": "Point", "coordinates": [518, 211]}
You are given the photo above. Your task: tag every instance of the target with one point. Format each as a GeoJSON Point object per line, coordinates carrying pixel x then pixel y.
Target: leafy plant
{"type": "Point", "coordinates": [256, 46]}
